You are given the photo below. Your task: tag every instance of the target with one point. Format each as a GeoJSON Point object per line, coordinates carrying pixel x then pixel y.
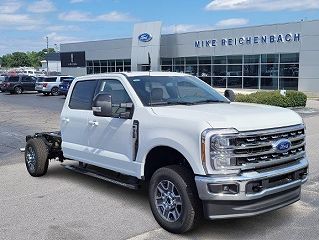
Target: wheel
{"type": "Point", "coordinates": [174, 200]}
{"type": "Point", "coordinates": [18, 90]}
{"type": "Point", "coordinates": [36, 157]}
{"type": "Point", "coordinates": [55, 91]}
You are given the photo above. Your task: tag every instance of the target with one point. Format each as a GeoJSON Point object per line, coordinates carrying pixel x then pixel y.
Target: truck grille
{"type": "Point", "coordinates": [256, 149]}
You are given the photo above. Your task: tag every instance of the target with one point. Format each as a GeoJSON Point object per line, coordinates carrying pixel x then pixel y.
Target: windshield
{"type": "Point", "coordinates": [174, 90]}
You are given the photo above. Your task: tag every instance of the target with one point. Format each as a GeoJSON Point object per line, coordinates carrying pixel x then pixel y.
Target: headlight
{"type": "Point", "coordinates": [217, 150]}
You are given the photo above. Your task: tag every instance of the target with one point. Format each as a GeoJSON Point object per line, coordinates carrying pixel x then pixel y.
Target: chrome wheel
{"type": "Point", "coordinates": [168, 201]}
{"type": "Point", "coordinates": [30, 157]}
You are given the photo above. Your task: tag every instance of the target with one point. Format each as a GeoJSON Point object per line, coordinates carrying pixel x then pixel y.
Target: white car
{"type": "Point", "coordinates": [197, 152]}
{"type": "Point", "coordinates": [50, 84]}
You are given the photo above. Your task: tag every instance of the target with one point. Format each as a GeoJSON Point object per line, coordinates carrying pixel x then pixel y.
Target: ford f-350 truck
{"type": "Point", "coordinates": [198, 153]}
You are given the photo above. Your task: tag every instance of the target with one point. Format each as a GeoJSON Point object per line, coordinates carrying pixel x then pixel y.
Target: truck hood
{"type": "Point", "coordinates": [242, 116]}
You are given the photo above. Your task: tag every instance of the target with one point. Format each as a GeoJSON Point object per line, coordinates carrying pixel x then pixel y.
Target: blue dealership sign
{"type": "Point", "coordinates": [145, 37]}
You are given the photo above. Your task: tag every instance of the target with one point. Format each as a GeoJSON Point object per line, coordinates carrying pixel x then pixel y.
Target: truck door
{"type": "Point", "coordinates": [110, 138]}
{"type": "Point", "coordinates": [74, 121]}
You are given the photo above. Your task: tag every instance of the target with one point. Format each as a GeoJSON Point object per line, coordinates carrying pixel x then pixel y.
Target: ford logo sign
{"type": "Point", "coordinates": [282, 145]}
{"type": "Point", "coordinates": [145, 37]}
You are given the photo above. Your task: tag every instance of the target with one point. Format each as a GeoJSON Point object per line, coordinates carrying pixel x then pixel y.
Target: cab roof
{"type": "Point", "coordinates": [131, 74]}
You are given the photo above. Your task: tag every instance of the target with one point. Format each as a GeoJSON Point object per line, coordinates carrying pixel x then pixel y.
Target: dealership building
{"type": "Point", "coordinates": [276, 56]}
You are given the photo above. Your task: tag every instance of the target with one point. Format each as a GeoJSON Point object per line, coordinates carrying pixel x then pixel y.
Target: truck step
{"type": "Point", "coordinates": [106, 175]}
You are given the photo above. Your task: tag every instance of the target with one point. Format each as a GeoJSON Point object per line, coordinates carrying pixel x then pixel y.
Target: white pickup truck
{"type": "Point", "coordinates": [197, 152]}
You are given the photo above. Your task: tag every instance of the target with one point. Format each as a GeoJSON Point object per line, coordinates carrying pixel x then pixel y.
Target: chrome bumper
{"type": "Point", "coordinates": [242, 180]}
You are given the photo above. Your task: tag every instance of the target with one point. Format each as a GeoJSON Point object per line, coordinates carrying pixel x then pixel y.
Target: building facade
{"type": "Point", "coordinates": [277, 56]}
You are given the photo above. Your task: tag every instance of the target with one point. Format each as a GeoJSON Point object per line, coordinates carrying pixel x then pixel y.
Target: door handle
{"type": "Point", "coordinates": [93, 123]}
{"type": "Point", "coordinates": [66, 120]}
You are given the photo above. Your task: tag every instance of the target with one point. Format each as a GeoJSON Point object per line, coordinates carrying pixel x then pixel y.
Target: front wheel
{"type": "Point", "coordinates": [36, 157]}
{"type": "Point", "coordinates": [174, 200]}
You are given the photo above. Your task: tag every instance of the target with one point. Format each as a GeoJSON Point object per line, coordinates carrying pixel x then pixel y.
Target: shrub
{"type": "Point", "coordinates": [292, 98]}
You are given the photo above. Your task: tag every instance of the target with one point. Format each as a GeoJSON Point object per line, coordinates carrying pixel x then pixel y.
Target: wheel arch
{"type": "Point", "coordinates": [161, 156]}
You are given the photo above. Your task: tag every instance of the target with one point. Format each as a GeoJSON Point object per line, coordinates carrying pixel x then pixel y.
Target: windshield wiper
{"type": "Point", "coordinates": [210, 101]}
{"type": "Point", "coordinates": [171, 103]}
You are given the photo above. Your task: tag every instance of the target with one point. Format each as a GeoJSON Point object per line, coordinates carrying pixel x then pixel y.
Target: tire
{"type": "Point", "coordinates": [36, 157]}
{"type": "Point", "coordinates": [18, 90]}
{"type": "Point", "coordinates": [55, 91]}
{"type": "Point", "coordinates": [184, 206]}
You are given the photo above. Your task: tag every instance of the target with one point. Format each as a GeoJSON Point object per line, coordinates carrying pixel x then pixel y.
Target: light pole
{"type": "Point", "coordinates": [47, 55]}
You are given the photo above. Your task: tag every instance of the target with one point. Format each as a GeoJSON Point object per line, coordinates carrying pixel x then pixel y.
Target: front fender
{"type": "Point", "coordinates": [190, 154]}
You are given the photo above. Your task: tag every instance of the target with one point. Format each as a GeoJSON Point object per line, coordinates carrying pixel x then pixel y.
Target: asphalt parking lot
{"type": "Point", "coordinates": [66, 205]}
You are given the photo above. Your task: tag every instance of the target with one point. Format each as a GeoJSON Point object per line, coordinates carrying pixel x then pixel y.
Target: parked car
{"type": "Point", "coordinates": [50, 84]}
{"type": "Point", "coordinates": [196, 151]}
{"type": "Point", "coordinates": [2, 81]}
{"type": "Point", "coordinates": [19, 83]}
{"type": "Point", "coordinates": [64, 86]}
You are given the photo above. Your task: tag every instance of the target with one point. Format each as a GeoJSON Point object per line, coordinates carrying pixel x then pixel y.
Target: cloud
{"type": "Point", "coordinates": [19, 21]}
{"type": "Point", "coordinates": [232, 22]}
{"type": "Point", "coordinates": [181, 28]}
{"type": "Point", "coordinates": [62, 28]}
{"type": "Point", "coordinates": [76, 1]}
{"type": "Point", "coordinates": [115, 16]}
{"type": "Point", "coordinates": [262, 5]}
{"type": "Point", "coordinates": [10, 7]}
{"type": "Point", "coordinates": [55, 38]}
{"type": "Point", "coordinates": [41, 6]}
{"type": "Point", "coordinates": [77, 16]}
{"type": "Point", "coordinates": [225, 23]}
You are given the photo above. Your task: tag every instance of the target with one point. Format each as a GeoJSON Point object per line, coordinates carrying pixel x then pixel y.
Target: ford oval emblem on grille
{"type": "Point", "coordinates": [145, 37]}
{"type": "Point", "coordinates": [282, 145]}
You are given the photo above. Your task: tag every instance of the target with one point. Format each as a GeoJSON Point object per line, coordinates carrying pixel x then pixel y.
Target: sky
{"type": "Point", "coordinates": [24, 24]}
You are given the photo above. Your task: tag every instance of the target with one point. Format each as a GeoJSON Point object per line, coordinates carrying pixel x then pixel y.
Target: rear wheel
{"type": "Point", "coordinates": [18, 90]}
{"type": "Point", "coordinates": [174, 200]}
{"type": "Point", "coordinates": [36, 157]}
{"type": "Point", "coordinates": [55, 91]}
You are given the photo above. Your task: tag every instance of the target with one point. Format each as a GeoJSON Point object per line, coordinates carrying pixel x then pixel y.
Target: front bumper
{"type": "Point", "coordinates": [280, 187]}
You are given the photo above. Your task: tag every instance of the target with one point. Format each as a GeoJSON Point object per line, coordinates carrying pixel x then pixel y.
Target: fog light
{"type": "Point", "coordinates": [223, 188]}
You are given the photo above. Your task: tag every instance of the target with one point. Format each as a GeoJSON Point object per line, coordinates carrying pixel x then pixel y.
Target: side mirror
{"type": "Point", "coordinates": [230, 95]}
{"type": "Point", "coordinates": [102, 105]}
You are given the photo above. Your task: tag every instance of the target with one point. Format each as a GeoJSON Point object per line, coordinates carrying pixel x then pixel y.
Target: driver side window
{"type": "Point", "coordinates": [117, 92]}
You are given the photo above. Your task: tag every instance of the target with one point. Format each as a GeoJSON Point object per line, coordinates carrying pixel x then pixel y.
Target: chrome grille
{"type": "Point", "coordinates": [253, 150]}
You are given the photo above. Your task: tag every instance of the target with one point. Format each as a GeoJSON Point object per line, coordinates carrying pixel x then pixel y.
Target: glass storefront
{"type": "Point", "coordinates": [261, 71]}
{"type": "Point", "coordinates": [106, 66]}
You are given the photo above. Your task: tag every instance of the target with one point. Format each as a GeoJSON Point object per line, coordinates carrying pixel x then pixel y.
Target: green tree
{"type": "Point", "coordinates": [20, 59]}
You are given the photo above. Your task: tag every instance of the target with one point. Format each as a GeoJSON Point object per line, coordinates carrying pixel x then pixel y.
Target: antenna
{"type": "Point", "coordinates": [149, 63]}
